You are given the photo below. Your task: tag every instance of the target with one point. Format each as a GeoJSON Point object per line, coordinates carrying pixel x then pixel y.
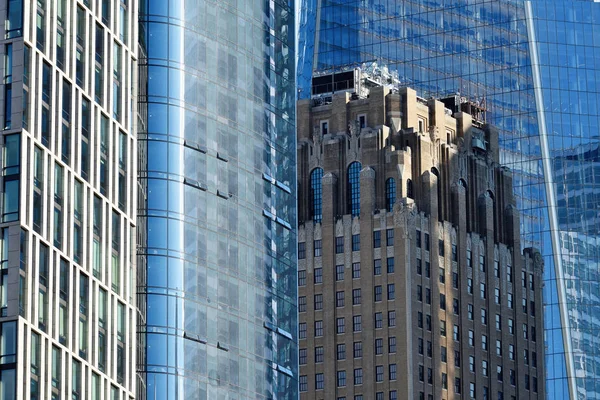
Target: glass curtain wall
{"type": "Point", "coordinates": [220, 212]}
{"type": "Point", "coordinates": [534, 67]}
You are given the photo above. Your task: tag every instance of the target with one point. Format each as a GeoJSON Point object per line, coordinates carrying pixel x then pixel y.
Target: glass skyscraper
{"type": "Point", "coordinates": [219, 204]}
{"type": "Point", "coordinates": [535, 66]}
{"type": "Point", "coordinates": [68, 201]}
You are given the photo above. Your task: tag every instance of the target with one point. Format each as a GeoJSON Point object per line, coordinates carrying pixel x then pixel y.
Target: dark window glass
{"type": "Point", "coordinates": [301, 250]}
{"type": "Point", "coordinates": [318, 278]}
{"type": "Point", "coordinates": [390, 265]}
{"type": "Point", "coordinates": [316, 187]}
{"type": "Point", "coordinates": [317, 251]}
{"type": "Point", "coordinates": [339, 272]}
{"type": "Point", "coordinates": [302, 278]}
{"type": "Point", "coordinates": [376, 239]}
{"type": "Point", "coordinates": [354, 188]}
{"type": "Point", "coordinates": [355, 242]}
{"type": "Point", "coordinates": [389, 237]}
{"type": "Point", "coordinates": [339, 244]}
{"type": "Point", "coordinates": [390, 194]}
{"type": "Point", "coordinates": [377, 267]}
{"type": "Point", "coordinates": [355, 270]}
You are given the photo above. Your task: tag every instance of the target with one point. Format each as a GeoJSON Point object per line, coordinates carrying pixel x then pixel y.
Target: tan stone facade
{"type": "Point", "coordinates": [431, 299]}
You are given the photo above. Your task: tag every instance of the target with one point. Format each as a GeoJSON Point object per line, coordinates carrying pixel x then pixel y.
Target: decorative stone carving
{"type": "Point", "coordinates": [404, 216]}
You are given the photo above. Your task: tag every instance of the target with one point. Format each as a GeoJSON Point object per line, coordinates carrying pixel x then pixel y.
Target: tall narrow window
{"type": "Point", "coordinates": [316, 188]}
{"type": "Point", "coordinates": [390, 194]}
{"type": "Point", "coordinates": [10, 169]}
{"type": "Point", "coordinates": [46, 104]}
{"type": "Point", "coordinates": [85, 137]}
{"type": "Point", "coordinates": [40, 25]}
{"type": "Point", "coordinates": [8, 86]}
{"type": "Point", "coordinates": [354, 188]}
{"type": "Point", "coordinates": [79, 52]}
{"type": "Point", "coordinates": [14, 21]}
{"type": "Point", "coordinates": [409, 189]}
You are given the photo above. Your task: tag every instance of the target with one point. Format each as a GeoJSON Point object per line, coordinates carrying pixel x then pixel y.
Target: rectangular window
{"type": "Point", "coordinates": [341, 378]}
{"type": "Point", "coordinates": [378, 346]}
{"type": "Point", "coordinates": [302, 304]}
{"type": "Point", "coordinates": [379, 373]}
{"type": "Point", "coordinates": [391, 291]}
{"type": "Point", "coordinates": [317, 249]}
{"type": "Point", "coordinates": [357, 352]}
{"type": "Point", "coordinates": [392, 344]}
{"type": "Point", "coordinates": [339, 299]}
{"type": "Point", "coordinates": [318, 328]}
{"type": "Point", "coordinates": [377, 293]}
{"type": "Point", "coordinates": [339, 272]}
{"type": "Point", "coordinates": [341, 352]}
{"type": "Point", "coordinates": [355, 270]}
{"type": "Point", "coordinates": [389, 237]}
{"type": "Point", "coordinates": [318, 277]}
{"type": "Point", "coordinates": [378, 320]}
{"type": "Point", "coordinates": [441, 247]}
{"type": "Point", "coordinates": [318, 302]}
{"type": "Point", "coordinates": [356, 297]}
{"type": "Point", "coordinates": [390, 265]}
{"type": "Point", "coordinates": [319, 354]}
{"type": "Point", "coordinates": [357, 323]}
{"type": "Point", "coordinates": [391, 319]}
{"type": "Point", "coordinates": [340, 325]}
{"type": "Point", "coordinates": [358, 376]}
{"type": "Point", "coordinates": [355, 242]}
{"type": "Point", "coordinates": [301, 251]}
{"type": "Point", "coordinates": [377, 267]}
{"type": "Point", "coordinates": [319, 381]}
{"type": "Point", "coordinates": [302, 278]}
{"type": "Point", "coordinates": [302, 330]}
{"type": "Point", "coordinates": [303, 383]}
{"type": "Point", "coordinates": [339, 245]}
{"type": "Point", "coordinates": [376, 239]}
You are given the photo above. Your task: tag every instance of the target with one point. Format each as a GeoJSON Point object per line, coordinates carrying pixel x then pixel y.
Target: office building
{"type": "Point", "coordinates": [68, 316]}
{"type": "Point", "coordinates": [535, 66]}
{"type": "Point", "coordinates": [219, 204]}
{"type": "Point", "coordinates": [412, 284]}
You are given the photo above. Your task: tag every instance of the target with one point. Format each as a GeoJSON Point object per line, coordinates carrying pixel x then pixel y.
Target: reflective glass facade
{"type": "Point", "coordinates": [535, 67]}
{"type": "Point", "coordinates": [67, 232]}
{"type": "Point", "coordinates": [220, 206]}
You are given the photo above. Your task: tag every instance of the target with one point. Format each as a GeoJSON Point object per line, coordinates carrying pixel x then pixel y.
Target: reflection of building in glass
{"type": "Point", "coordinates": [411, 282]}
{"type": "Point", "coordinates": [221, 200]}
{"type": "Point", "coordinates": [67, 230]}
{"type": "Point", "coordinates": [534, 66]}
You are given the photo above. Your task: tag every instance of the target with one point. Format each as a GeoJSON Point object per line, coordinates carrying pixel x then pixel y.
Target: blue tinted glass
{"type": "Point", "coordinates": [316, 177]}
{"type": "Point", "coordinates": [390, 194]}
{"type": "Point", "coordinates": [354, 188]}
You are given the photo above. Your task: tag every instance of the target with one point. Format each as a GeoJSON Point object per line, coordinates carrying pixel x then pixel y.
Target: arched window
{"type": "Point", "coordinates": [354, 188]}
{"type": "Point", "coordinates": [316, 190]}
{"type": "Point", "coordinates": [390, 194]}
{"type": "Point", "coordinates": [409, 189]}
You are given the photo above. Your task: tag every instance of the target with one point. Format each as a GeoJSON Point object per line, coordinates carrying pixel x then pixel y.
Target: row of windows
{"type": "Point", "coordinates": [339, 271]}
{"type": "Point", "coordinates": [341, 324]}
{"type": "Point", "coordinates": [339, 243]}
{"type": "Point", "coordinates": [358, 380]}
{"type": "Point", "coordinates": [353, 191]}
{"type": "Point", "coordinates": [357, 351]}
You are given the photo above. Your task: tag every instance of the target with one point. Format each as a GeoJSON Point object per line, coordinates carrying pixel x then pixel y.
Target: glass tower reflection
{"type": "Point", "coordinates": [220, 206]}
{"type": "Point", "coordinates": [534, 65]}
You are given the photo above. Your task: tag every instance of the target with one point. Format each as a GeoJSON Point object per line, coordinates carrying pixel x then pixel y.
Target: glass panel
{"type": "Point", "coordinates": [354, 188]}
